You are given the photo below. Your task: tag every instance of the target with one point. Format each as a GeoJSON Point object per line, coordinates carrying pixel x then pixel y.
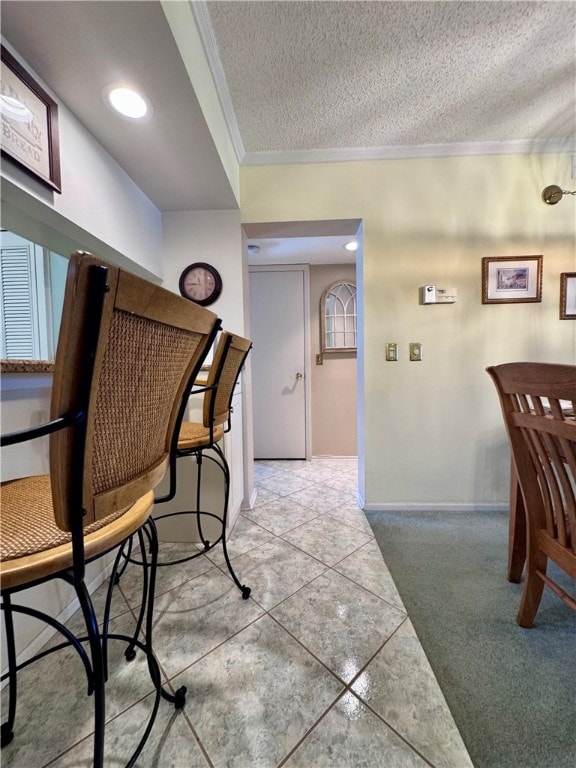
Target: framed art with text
{"type": "Point", "coordinates": [29, 115]}
{"type": "Point", "coordinates": [511, 279]}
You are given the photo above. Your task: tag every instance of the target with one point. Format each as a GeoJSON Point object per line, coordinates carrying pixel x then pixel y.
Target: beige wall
{"type": "Point", "coordinates": [334, 384]}
{"type": "Point", "coordinates": [431, 432]}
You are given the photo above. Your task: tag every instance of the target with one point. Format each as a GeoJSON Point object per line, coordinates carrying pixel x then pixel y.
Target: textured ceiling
{"type": "Point", "coordinates": [306, 76]}
{"type": "Point", "coordinates": [306, 81]}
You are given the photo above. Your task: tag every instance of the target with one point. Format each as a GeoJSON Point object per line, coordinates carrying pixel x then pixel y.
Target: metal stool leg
{"type": "Point", "coordinates": [220, 461]}
{"type": "Point", "coordinates": [8, 725]}
{"type": "Point", "coordinates": [98, 672]}
{"type": "Point", "coordinates": [179, 698]}
{"type": "Point", "coordinates": [226, 471]}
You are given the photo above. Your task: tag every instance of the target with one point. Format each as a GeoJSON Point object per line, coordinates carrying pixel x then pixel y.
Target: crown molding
{"type": "Point", "coordinates": [417, 151]}
{"type": "Point", "coordinates": [349, 154]}
{"type": "Point", "coordinates": [206, 32]}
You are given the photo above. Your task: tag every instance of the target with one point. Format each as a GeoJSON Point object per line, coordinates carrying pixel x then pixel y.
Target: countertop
{"type": "Point", "coordinates": [26, 366]}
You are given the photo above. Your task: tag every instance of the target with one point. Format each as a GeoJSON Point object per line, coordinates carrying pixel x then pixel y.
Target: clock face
{"type": "Point", "coordinates": [200, 283]}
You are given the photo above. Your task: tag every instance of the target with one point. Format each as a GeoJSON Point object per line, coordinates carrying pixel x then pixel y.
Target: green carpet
{"type": "Point", "coordinates": [512, 691]}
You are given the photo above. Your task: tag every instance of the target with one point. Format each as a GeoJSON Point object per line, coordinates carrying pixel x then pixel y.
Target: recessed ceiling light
{"type": "Point", "coordinates": [127, 102]}
{"type": "Point", "coordinates": [352, 245]}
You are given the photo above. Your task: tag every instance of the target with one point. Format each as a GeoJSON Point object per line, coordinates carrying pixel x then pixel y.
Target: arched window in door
{"type": "Point", "coordinates": [338, 317]}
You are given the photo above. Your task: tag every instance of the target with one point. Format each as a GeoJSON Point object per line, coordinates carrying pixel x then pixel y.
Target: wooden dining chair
{"type": "Point", "coordinates": [538, 402]}
{"type": "Point", "coordinates": [203, 441]}
{"type": "Point", "coordinates": [126, 351]}
{"type": "Point", "coordinates": [516, 529]}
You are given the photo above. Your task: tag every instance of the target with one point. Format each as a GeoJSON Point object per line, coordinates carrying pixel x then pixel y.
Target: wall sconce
{"type": "Point", "coordinates": [553, 194]}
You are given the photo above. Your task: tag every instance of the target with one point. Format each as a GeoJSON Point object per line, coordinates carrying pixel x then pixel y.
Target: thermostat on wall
{"type": "Point", "coordinates": [430, 294]}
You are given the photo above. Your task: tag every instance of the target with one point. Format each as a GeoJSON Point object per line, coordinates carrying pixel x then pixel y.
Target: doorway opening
{"type": "Point", "coordinates": [328, 387]}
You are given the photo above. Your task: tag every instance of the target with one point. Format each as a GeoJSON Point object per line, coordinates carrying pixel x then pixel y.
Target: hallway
{"type": "Point", "coordinates": [320, 667]}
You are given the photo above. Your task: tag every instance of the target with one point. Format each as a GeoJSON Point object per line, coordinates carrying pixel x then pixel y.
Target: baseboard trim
{"type": "Point", "coordinates": [334, 457]}
{"type": "Point", "coordinates": [415, 507]}
{"type": "Point", "coordinates": [251, 501]}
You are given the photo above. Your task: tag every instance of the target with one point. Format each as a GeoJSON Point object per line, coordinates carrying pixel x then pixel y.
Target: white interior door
{"type": "Point", "coordinates": [279, 331]}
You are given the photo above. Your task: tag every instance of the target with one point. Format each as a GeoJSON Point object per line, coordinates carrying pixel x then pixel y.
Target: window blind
{"type": "Point", "coordinates": [20, 330]}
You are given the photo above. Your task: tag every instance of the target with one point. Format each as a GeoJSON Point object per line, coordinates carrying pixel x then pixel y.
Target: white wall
{"type": "Point", "coordinates": [100, 208]}
{"type": "Point", "coordinates": [214, 237]}
{"type": "Point", "coordinates": [25, 403]}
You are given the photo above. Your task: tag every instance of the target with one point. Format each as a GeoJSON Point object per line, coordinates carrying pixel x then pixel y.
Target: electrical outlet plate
{"type": "Point", "coordinates": [415, 351]}
{"type": "Point", "coordinates": [391, 351]}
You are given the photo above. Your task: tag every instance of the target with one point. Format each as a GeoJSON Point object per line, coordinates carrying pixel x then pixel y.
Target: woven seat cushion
{"type": "Point", "coordinates": [31, 544]}
{"type": "Point", "coordinates": [193, 435]}
{"type": "Point", "coordinates": [28, 525]}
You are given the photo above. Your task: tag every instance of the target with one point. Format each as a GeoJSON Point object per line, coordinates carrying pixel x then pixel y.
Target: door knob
{"type": "Point", "coordinates": [299, 376]}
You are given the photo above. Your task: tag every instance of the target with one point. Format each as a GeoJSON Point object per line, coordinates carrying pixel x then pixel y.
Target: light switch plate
{"type": "Point", "coordinates": [415, 350]}
{"type": "Point", "coordinates": [391, 351]}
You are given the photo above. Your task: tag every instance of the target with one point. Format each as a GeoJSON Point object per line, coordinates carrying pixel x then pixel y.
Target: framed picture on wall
{"type": "Point", "coordinates": [29, 135]}
{"type": "Point", "coordinates": [568, 296]}
{"type": "Point", "coordinates": [511, 279]}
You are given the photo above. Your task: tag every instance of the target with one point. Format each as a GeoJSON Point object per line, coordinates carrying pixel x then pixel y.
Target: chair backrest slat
{"type": "Point", "coordinates": [150, 342]}
{"type": "Point", "coordinates": [231, 352]}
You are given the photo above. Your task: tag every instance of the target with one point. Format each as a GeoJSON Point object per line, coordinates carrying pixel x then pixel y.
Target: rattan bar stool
{"type": "Point", "coordinates": [126, 352]}
{"type": "Point", "coordinates": [203, 442]}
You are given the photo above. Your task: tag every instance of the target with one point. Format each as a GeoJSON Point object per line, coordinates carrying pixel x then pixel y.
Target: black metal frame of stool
{"type": "Point", "coordinates": [95, 666]}
{"type": "Point", "coordinates": [228, 367]}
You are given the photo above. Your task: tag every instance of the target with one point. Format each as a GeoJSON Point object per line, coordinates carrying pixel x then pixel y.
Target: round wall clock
{"type": "Point", "coordinates": [200, 283]}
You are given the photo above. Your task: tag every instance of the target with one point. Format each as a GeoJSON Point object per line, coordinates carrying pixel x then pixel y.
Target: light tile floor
{"type": "Point", "coordinates": [320, 667]}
